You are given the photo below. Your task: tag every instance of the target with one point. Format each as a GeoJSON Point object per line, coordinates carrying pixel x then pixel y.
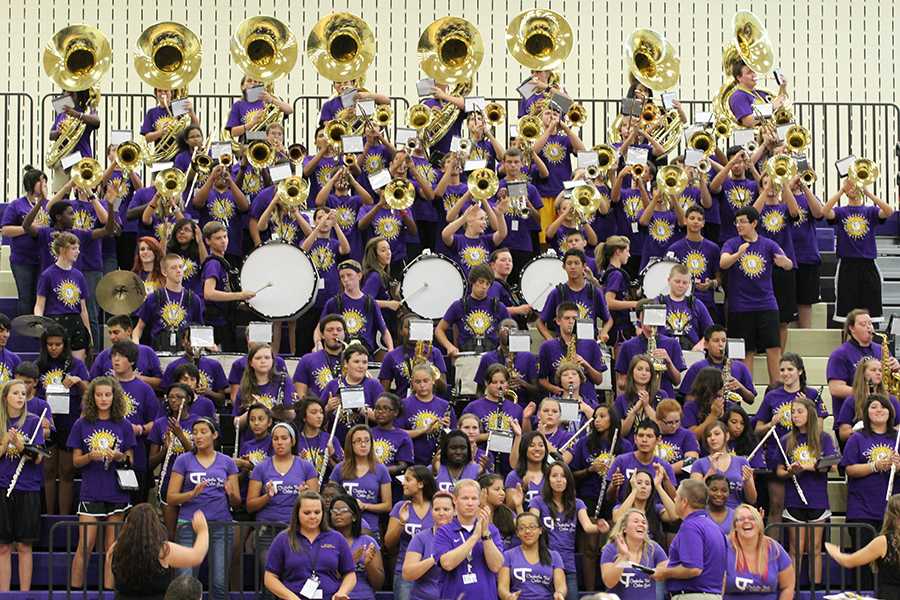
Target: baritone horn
{"type": "Point", "coordinates": [494, 113]}
{"type": "Point", "coordinates": [399, 194]}
{"type": "Point", "coordinates": [418, 116]}
{"type": "Point", "coordinates": [341, 47]}
{"type": "Point", "coordinates": [292, 192]}
{"type": "Point", "coordinates": [797, 139]}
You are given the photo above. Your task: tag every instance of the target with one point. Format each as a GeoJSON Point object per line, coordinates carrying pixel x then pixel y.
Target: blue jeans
{"type": "Point", "coordinates": [93, 309]}
{"type": "Point", "coordinates": [402, 587]}
{"type": "Point", "coordinates": [26, 277]}
{"type": "Point", "coordinates": [264, 536]}
{"type": "Point", "coordinates": [571, 585]}
{"type": "Point", "coordinates": [217, 558]}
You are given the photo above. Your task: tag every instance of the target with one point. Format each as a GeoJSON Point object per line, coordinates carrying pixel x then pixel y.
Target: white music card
{"type": "Point", "coordinates": [353, 144]}
{"type": "Point", "coordinates": [255, 93]}
{"type": "Point", "coordinates": [500, 441]}
{"type": "Point", "coordinates": [569, 411]}
{"type": "Point", "coordinates": [161, 166]}
{"type": "Point", "coordinates": [348, 98]}
{"type": "Point", "coordinates": [513, 130]}
{"type": "Point", "coordinates": [655, 315]}
{"type": "Point", "coordinates": [202, 337]}
{"type": "Point", "coordinates": [218, 149]}
{"type": "Point", "coordinates": [782, 130]}
{"type": "Point", "coordinates": [259, 332]}
{"type": "Point", "coordinates": [425, 87]}
{"type": "Point", "coordinates": [517, 189]}
{"type": "Point", "coordinates": [668, 100]}
{"type": "Point", "coordinates": [353, 397]}
{"type": "Point", "coordinates": [454, 143]}
{"type": "Point", "coordinates": [636, 156]}
{"type": "Point", "coordinates": [692, 157]}
{"type": "Point", "coordinates": [571, 184]}
{"type": "Point", "coordinates": [421, 330]}
{"type": "Point", "coordinates": [703, 118]}
{"type": "Point", "coordinates": [403, 135]}
{"type": "Point", "coordinates": [843, 165]}
{"type": "Point", "coordinates": [365, 108]}
{"type": "Point", "coordinates": [584, 329]}
{"type": "Point", "coordinates": [57, 398]}
{"type": "Point", "coordinates": [742, 137]}
{"type": "Point", "coordinates": [380, 179]}
{"type": "Point", "coordinates": [61, 102]}
{"type": "Point", "coordinates": [281, 171]}
{"type": "Point", "coordinates": [736, 349]}
{"type": "Point", "coordinates": [180, 107]}
{"type": "Point", "coordinates": [70, 160]}
{"type": "Point", "coordinates": [764, 110]}
{"type": "Point", "coordinates": [587, 159]}
{"type": "Point", "coordinates": [119, 136]}
{"type": "Point", "coordinates": [526, 88]}
{"type": "Point", "coordinates": [519, 341]}
{"type": "Point", "coordinates": [474, 165]}
{"type": "Point", "coordinates": [475, 104]}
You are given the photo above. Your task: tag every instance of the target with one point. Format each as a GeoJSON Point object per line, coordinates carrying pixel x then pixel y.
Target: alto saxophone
{"type": "Point", "coordinates": [571, 349]}
{"type": "Point", "coordinates": [421, 356]}
{"type": "Point", "coordinates": [889, 379]}
{"type": "Point", "coordinates": [726, 379]}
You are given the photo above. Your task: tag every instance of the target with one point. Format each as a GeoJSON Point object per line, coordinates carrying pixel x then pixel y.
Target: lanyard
{"type": "Point", "coordinates": [312, 558]}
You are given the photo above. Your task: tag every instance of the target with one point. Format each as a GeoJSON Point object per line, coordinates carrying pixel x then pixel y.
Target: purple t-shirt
{"type": "Point", "coordinates": [736, 194]}
{"type": "Point", "coordinates": [91, 256]}
{"type": "Point", "coordinates": [750, 278]}
{"type": "Point", "coordinates": [778, 402]}
{"type": "Point", "coordinates": [362, 316]}
{"type": "Point", "coordinates": [533, 581]}
{"type": "Point", "coordinates": [54, 372]}
{"type": "Point", "coordinates": [866, 495]}
{"type": "Point", "coordinates": [279, 391]}
{"type": "Point", "coordinates": [212, 375]}
{"type": "Point", "coordinates": [83, 145]}
{"type": "Point", "coordinates": [314, 449]}
{"type": "Point", "coordinates": [324, 256]}
{"type": "Point", "coordinates": [842, 364]}
{"type": "Point", "coordinates": [329, 557]}
{"type": "Point", "coordinates": [418, 415]}
{"type": "Point", "coordinates": [847, 416]}
{"type": "Point", "coordinates": [316, 369]}
{"type": "Point", "coordinates": [493, 415]}
{"type": "Point", "coordinates": [627, 211]}
{"type": "Point", "coordinates": [634, 584]}
{"type": "Point", "coordinates": [363, 589]}
{"type": "Point", "coordinates": [212, 269]}
{"type": "Point", "coordinates": [345, 210]}
{"type": "Point", "coordinates": [389, 225]}
{"type": "Point", "coordinates": [213, 500]}
{"type": "Point", "coordinates": [32, 475]}
{"type": "Point", "coordinates": [287, 487]}
{"type": "Point", "coordinates": [525, 365]}
{"type": "Point", "coordinates": [321, 174]}
{"type": "Point", "coordinates": [583, 456]}
{"type": "Point", "coordinates": [687, 317]}
{"type": "Point", "coordinates": [392, 446]}
{"type": "Point", "coordinates": [638, 345]}
{"type": "Point", "coordinates": [702, 260]}
{"type": "Point", "coordinates": [428, 586]}
{"type": "Point", "coordinates": [423, 209]}
{"type": "Point", "coordinates": [738, 370]}
{"type": "Point", "coordinates": [64, 289]}
{"type": "Point", "coordinates": [672, 446]}
{"type": "Point", "coordinates": [283, 228]}
{"type": "Point", "coordinates": [470, 252]}
{"type": "Point", "coordinates": [532, 490]}
{"type": "Point", "coordinates": [556, 155]}
{"type": "Point", "coordinates": [8, 362]}
{"type": "Point", "coordinates": [445, 480]}
{"type": "Point", "coordinates": [741, 102]}
{"type": "Point", "coordinates": [165, 310]}
{"type": "Point", "coordinates": [396, 364]}
{"type": "Point", "coordinates": [618, 282]}
{"type": "Point", "coordinates": [813, 483]}
{"type": "Point", "coordinates": [142, 408]}
{"type": "Point", "coordinates": [147, 363]}
{"type": "Point", "coordinates": [551, 354]}
{"type": "Point", "coordinates": [734, 474]}
{"type": "Point", "coordinates": [98, 484]}
{"type": "Point", "coordinates": [159, 433]}
{"type": "Point", "coordinates": [23, 248]}
{"type": "Point", "coordinates": [142, 197]}
{"type": "Point", "coordinates": [561, 529]}
{"type": "Point", "coordinates": [629, 463]}
{"type": "Point", "coordinates": [662, 231]}
{"type": "Point", "coordinates": [590, 301]}
{"type": "Point", "coordinates": [476, 318]}
{"type": "Point", "coordinates": [330, 109]}
{"type": "Point", "coordinates": [699, 544]}
{"type": "Point", "coordinates": [365, 489]}
{"type": "Point", "coordinates": [518, 236]}
{"type": "Point", "coordinates": [776, 223]}
{"type": "Point", "coordinates": [744, 585]}
{"type": "Point", "coordinates": [483, 585]}
{"type": "Point", "coordinates": [222, 207]}
{"type": "Point", "coordinates": [803, 234]}
{"type": "Point", "coordinates": [854, 229]}
{"type": "Point", "coordinates": [242, 111]}
{"type": "Point", "coordinates": [414, 525]}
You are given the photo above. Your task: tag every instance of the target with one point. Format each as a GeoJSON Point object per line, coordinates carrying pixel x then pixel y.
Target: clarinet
{"type": "Point", "coordinates": [603, 483]}
{"type": "Point", "coordinates": [169, 453]}
{"type": "Point", "coordinates": [21, 465]}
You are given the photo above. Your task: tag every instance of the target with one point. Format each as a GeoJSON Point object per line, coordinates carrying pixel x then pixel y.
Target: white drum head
{"type": "Point", "coordinates": [539, 277]}
{"type": "Point", "coordinates": [656, 278]}
{"type": "Point", "coordinates": [431, 284]}
{"type": "Point", "coordinates": [283, 277]}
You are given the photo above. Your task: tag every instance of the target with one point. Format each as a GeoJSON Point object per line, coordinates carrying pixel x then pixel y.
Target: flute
{"type": "Point", "coordinates": [787, 463]}
{"type": "Point", "coordinates": [574, 437]}
{"type": "Point", "coordinates": [237, 438]}
{"type": "Point", "coordinates": [325, 449]}
{"type": "Point", "coordinates": [604, 483]}
{"type": "Point", "coordinates": [21, 465]}
{"type": "Point", "coordinates": [890, 489]}
{"type": "Point", "coordinates": [169, 452]}
{"type": "Point", "coordinates": [760, 444]}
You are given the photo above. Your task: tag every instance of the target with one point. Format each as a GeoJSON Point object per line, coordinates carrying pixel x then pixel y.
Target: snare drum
{"type": "Point", "coordinates": [539, 277]}
{"type": "Point", "coordinates": [655, 276]}
{"type": "Point", "coordinates": [431, 283]}
{"type": "Point", "coordinates": [466, 365]}
{"type": "Point", "coordinates": [284, 279]}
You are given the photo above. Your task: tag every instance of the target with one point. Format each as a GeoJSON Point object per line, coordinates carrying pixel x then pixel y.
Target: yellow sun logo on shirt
{"type": "Point", "coordinates": [666, 451]}
{"type": "Point", "coordinates": [739, 197]}
{"type": "Point", "coordinates": [82, 220]}
{"type": "Point", "coordinates": [450, 201]}
{"type": "Point", "coordinates": [150, 287]}
{"type": "Point", "coordinates": [373, 163]}
{"type": "Point", "coordinates": [324, 174]}
{"type": "Point", "coordinates": [252, 183]}
{"type": "Point", "coordinates": [424, 419]}
{"type": "Point", "coordinates": [101, 440]}
{"type": "Point", "coordinates": [696, 263]}
{"type": "Point", "coordinates": [427, 172]}
{"type": "Point", "coordinates": [264, 399]}
{"type": "Point", "coordinates": [345, 216]}
{"type": "Point", "coordinates": [190, 268]}
{"type": "Point", "coordinates": [632, 206]}
{"type": "Point", "coordinates": [478, 322]}
{"type": "Point", "coordinates": [554, 152]}
{"type": "Point", "coordinates": [252, 115]}
{"type": "Point", "coordinates": [11, 451]}
{"type": "Point", "coordinates": [286, 232]}
{"type": "Point", "coordinates": [474, 256]}
{"type": "Point", "coordinates": [222, 209]}
{"type": "Point", "coordinates": [879, 452]}
{"type": "Point", "coordinates": [686, 201]}
{"type": "Point", "coordinates": [118, 186]}
{"type": "Point", "coordinates": [752, 264]}
{"type": "Point", "coordinates": [163, 230]}
{"type": "Point", "coordinates": [803, 455]}
{"type": "Point", "coordinates": [660, 230]}
{"type": "Point", "coordinates": [164, 122]}
{"type": "Point", "coordinates": [802, 216]}
{"type": "Point", "coordinates": [68, 292]}
{"type": "Point", "coordinates": [678, 321]}
{"type": "Point", "coordinates": [606, 459]}
{"type": "Point", "coordinates": [773, 221]}
{"type": "Point", "coordinates": [784, 414]}
{"type": "Point", "coordinates": [354, 320]}
{"type": "Point", "coordinates": [175, 442]}
{"type": "Point", "coordinates": [5, 374]}
{"type": "Point", "coordinates": [130, 404]}
{"type": "Point", "coordinates": [583, 311]}
{"type": "Point", "coordinates": [497, 420]}
{"type": "Point", "coordinates": [52, 377]}
{"type": "Point", "coordinates": [856, 226]}
{"type": "Point", "coordinates": [173, 314]}
{"type": "Point", "coordinates": [42, 219]}
{"type": "Point", "coordinates": [322, 375]}
{"type": "Point", "coordinates": [322, 258]}
{"type": "Point", "coordinates": [388, 227]}
{"type": "Point", "coordinates": [384, 450]}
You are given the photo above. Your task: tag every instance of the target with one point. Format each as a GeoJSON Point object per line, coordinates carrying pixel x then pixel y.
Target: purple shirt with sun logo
{"type": "Point", "coordinates": [346, 208]}
{"type": "Point", "coordinates": [321, 174]}
{"type": "Point", "coordinates": [627, 211]}
{"type": "Point", "coordinates": [167, 310]}
{"type": "Point", "coordinates": [866, 495]}
{"type": "Point", "coordinates": [392, 446]}
{"type": "Point", "coordinates": [64, 289]}
{"type": "Point", "coordinates": [470, 252]}
{"type": "Point", "coordinates": [736, 194]}
{"type": "Point", "coordinates": [775, 223]}
{"type": "Point", "coordinates": [388, 224]}
{"type": "Point", "coordinates": [282, 227]}
{"type": "Point", "coordinates": [98, 483]}
{"type": "Point", "coordinates": [750, 278]}
{"type": "Point", "coordinates": [419, 415]}
{"type": "Point", "coordinates": [221, 207]}
{"type": "Point", "coordinates": [324, 255]}
{"type": "Point", "coordinates": [555, 154]}
{"type": "Point", "coordinates": [702, 260]}
{"type": "Point", "coordinates": [854, 229]}
{"type": "Point", "coordinates": [662, 232]}
{"type": "Point", "coordinates": [476, 318]}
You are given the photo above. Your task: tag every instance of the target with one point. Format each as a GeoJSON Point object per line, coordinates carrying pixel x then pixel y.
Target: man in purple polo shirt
{"type": "Point", "coordinates": [752, 307]}
{"type": "Point", "coordinates": [696, 566]}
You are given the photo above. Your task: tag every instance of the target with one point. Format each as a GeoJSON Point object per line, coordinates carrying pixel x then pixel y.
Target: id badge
{"type": "Point", "coordinates": [173, 338]}
{"type": "Point", "coordinates": [311, 589]}
{"type": "Point", "coordinates": [514, 224]}
{"type": "Point", "coordinates": [470, 578]}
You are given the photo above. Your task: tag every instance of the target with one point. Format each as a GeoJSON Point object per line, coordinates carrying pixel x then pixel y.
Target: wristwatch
{"type": "Point", "coordinates": [485, 537]}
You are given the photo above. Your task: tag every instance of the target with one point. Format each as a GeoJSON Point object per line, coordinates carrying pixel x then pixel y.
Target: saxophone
{"type": "Point", "coordinates": [420, 357]}
{"type": "Point", "coordinates": [571, 349]}
{"type": "Point", "coordinates": [70, 131]}
{"type": "Point", "coordinates": [726, 378]}
{"type": "Point", "coordinates": [889, 379]}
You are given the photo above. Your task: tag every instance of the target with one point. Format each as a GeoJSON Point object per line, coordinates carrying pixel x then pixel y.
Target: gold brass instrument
{"type": "Point", "coordinates": [260, 154]}
{"type": "Point", "coordinates": [585, 202]}
{"type": "Point", "coordinates": [292, 193]}
{"type": "Point", "coordinates": [483, 184]}
{"type": "Point", "coordinates": [421, 356]}
{"type": "Point", "coordinates": [797, 139]}
{"type": "Point", "coordinates": [538, 39]}
{"type": "Point", "coordinates": [341, 47]}
{"type": "Point", "coordinates": [649, 114]}
{"type": "Point", "coordinates": [450, 51]}
{"type": "Point", "coordinates": [418, 116]}
{"type": "Point", "coordinates": [671, 181]}
{"type": "Point", "coordinates": [637, 171]}
{"type": "Point", "coordinates": [399, 194]}
{"type": "Point", "coordinates": [571, 349]}
{"type": "Point", "coordinates": [784, 114]}
{"type": "Point", "coordinates": [169, 184]}
{"type": "Point", "coordinates": [781, 169]}
{"type": "Point", "coordinates": [129, 156]}
{"type": "Point", "coordinates": [652, 60]}
{"type": "Point", "coordinates": [889, 379]}
{"type": "Point", "coordinates": [411, 145]}
{"type": "Point", "coordinates": [86, 174]}
{"type": "Point", "coordinates": [593, 172]}
{"type": "Point", "coordinates": [226, 160]}
{"type": "Point", "coordinates": [576, 115]}
{"type": "Point", "coordinates": [606, 157]}
{"type": "Point", "coordinates": [494, 113]}
{"type": "Point", "coordinates": [723, 127]}
{"type": "Point", "coordinates": [202, 162]}
{"type": "Point", "coordinates": [730, 396]}
{"type": "Point", "coordinates": [703, 141]}
{"type": "Point", "coordinates": [349, 160]}
{"type": "Point", "coordinates": [863, 172]}
{"type": "Point", "coordinates": [295, 153]}
{"type": "Point", "coordinates": [659, 365]}
{"type": "Point", "coordinates": [704, 165]}
{"type": "Point", "coordinates": [335, 130]}
{"type": "Point", "coordinates": [383, 116]}
{"type": "Point", "coordinates": [530, 128]}
{"type": "Point", "coordinates": [750, 46]}
{"type": "Point", "coordinates": [666, 128]}
{"type": "Point", "coordinates": [465, 147]}
{"type": "Point", "coordinates": [808, 177]}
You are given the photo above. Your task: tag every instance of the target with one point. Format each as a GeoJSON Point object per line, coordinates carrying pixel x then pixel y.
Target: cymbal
{"type": "Point", "coordinates": [120, 292]}
{"type": "Point", "coordinates": [30, 325]}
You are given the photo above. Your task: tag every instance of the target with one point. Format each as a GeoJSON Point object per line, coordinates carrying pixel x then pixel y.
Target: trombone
{"type": "Point", "coordinates": [86, 174]}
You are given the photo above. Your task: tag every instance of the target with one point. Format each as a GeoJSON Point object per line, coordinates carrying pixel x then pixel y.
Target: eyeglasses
{"type": "Point", "coordinates": [528, 527]}
{"type": "Point", "coordinates": [363, 442]}
{"type": "Point", "coordinates": [338, 510]}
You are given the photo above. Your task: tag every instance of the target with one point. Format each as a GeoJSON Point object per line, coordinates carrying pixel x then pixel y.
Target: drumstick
{"type": "Point", "coordinates": [890, 489]}
{"type": "Point", "coordinates": [787, 463]}
{"type": "Point", "coordinates": [537, 298]}
{"type": "Point", "coordinates": [268, 285]}
{"type": "Point", "coordinates": [414, 294]}
{"type": "Point", "coordinates": [21, 465]}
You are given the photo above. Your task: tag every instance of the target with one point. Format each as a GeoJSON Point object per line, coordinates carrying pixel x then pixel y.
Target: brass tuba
{"type": "Point", "coordinates": [538, 39]}
{"type": "Point", "coordinates": [76, 58]}
{"type": "Point", "coordinates": [450, 52]}
{"type": "Point", "coordinates": [341, 47]}
{"type": "Point", "coordinates": [751, 46]}
{"type": "Point", "coordinates": [483, 184]}
{"type": "Point", "coordinates": [292, 193]}
{"type": "Point", "coordinates": [86, 174]}
{"type": "Point", "coordinates": [399, 194]}
{"type": "Point", "coordinates": [168, 58]}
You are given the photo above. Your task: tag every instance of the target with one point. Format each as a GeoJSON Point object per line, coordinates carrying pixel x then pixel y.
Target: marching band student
{"type": "Point", "coordinates": [361, 313]}
{"type": "Point", "coordinates": [206, 480]}
{"type": "Point", "coordinates": [719, 460]}
{"type": "Point", "coordinates": [296, 562]}
{"type": "Point", "coordinates": [717, 507]}
{"type": "Point", "coordinates": [530, 461]}
{"type": "Point", "coordinates": [263, 384]}
{"type": "Point", "coordinates": [753, 315]}
{"type": "Point", "coordinates": [524, 371]}
{"type": "Point", "coordinates": [319, 167]}
{"type": "Point", "coordinates": [448, 191]}
{"type": "Point", "coordinates": [475, 318]}
{"type": "Point", "coordinates": [678, 445]}
{"type": "Point", "coordinates": [313, 443]}
{"type": "Point", "coordinates": [567, 221]}
{"type": "Point", "coordinates": [544, 83]}
{"type": "Point", "coordinates": [715, 346]}
{"type": "Point", "coordinates": [170, 436]}
{"type": "Point", "coordinates": [644, 456]}
{"type": "Point", "coordinates": [737, 182]}
{"type": "Point", "coordinates": [686, 319]}
{"type": "Point", "coordinates": [420, 569]}
{"type": "Point", "coordinates": [212, 381]}
{"type": "Point", "coordinates": [393, 225]}
{"type": "Point", "coordinates": [523, 221]}
{"type": "Point", "coordinates": [190, 140]}
{"type": "Point", "coordinates": [218, 286]}
{"type": "Point", "coordinates": [424, 415]}
{"type": "Point", "coordinates": [393, 446]}
{"type": "Point", "coordinates": [495, 410]}
{"type": "Point", "coordinates": [745, 96]}
{"type": "Point", "coordinates": [148, 264]}
{"type": "Point", "coordinates": [364, 478]}
{"type": "Point", "coordinates": [344, 517]}
{"type": "Point", "coordinates": [101, 440]}
{"type": "Point", "coordinates": [220, 199]}
{"type": "Point", "coordinates": [640, 394]}
{"type": "Point", "coordinates": [247, 116]}
{"type": "Point", "coordinates": [629, 204]}
{"type": "Point", "coordinates": [62, 293]}
{"type": "Point", "coordinates": [187, 242]}
{"type": "Point", "coordinates": [27, 372]}
{"type": "Point", "coordinates": [454, 461]}
{"type": "Point", "coordinates": [159, 119]}
{"type": "Point", "coordinates": [9, 360]}
{"type": "Point", "coordinates": [584, 294]}
{"type": "Point", "coordinates": [345, 195]}
{"type": "Point", "coordinates": [612, 256]}
{"type": "Point", "coordinates": [473, 246]}
{"type": "Point", "coordinates": [532, 570]}
{"type": "Point", "coordinates": [439, 100]}
{"type": "Point", "coordinates": [484, 145]}
{"type": "Point", "coordinates": [756, 566]}
{"type": "Point", "coordinates": [556, 145]}
{"type": "Point", "coordinates": [858, 281]}
{"type": "Point", "coordinates": [23, 256]}
{"type": "Point", "coordinates": [707, 405]}
{"type": "Point", "coordinates": [663, 218]}
{"type": "Point", "coordinates": [408, 518]}
{"type": "Point", "coordinates": [866, 381]}
{"type": "Point", "coordinates": [316, 369]}
{"type": "Point", "coordinates": [424, 177]}
{"type": "Point", "coordinates": [354, 374]}
{"type": "Point", "coordinates": [805, 445]}
{"type": "Point", "coordinates": [547, 421]}
{"type": "Point", "coordinates": [471, 425]}
{"type": "Point", "coordinates": [576, 239]}
{"type": "Point", "coordinates": [629, 544]}
{"type": "Point", "coordinates": [501, 263]}
{"type": "Point", "coordinates": [741, 439]}
{"type": "Point", "coordinates": [554, 351]}
{"type": "Point", "coordinates": [377, 280]}
{"type": "Point", "coordinates": [806, 248]}
{"type": "Point", "coordinates": [160, 214]}
{"type": "Point", "coordinates": [396, 366]}
{"type": "Point", "coordinates": [644, 491]}
{"type": "Point", "coordinates": [189, 375]}
{"type": "Point", "coordinates": [20, 506]}
{"type": "Point", "coordinates": [83, 111]}
{"type": "Point", "coordinates": [701, 257]}
{"type": "Point", "coordinates": [271, 220]}
{"type": "Point", "coordinates": [254, 447]}
{"type": "Point", "coordinates": [377, 154]}
{"type": "Point", "coordinates": [169, 309]}
{"type": "Point", "coordinates": [57, 365]}
{"type": "Point", "coordinates": [666, 355]}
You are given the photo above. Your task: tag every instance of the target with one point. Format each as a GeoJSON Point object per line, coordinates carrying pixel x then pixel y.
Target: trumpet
{"type": "Point", "coordinates": [606, 156]}
{"type": "Point", "coordinates": [494, 113]}
{"type": "Point", "coordinates": [637, 171]}
{"type": "Point", "coordinates": [808, 177]}
{"type": "Point", "coordinates": [530, 128]}
{"type": "Point", "coordinates": [411, 145]}
{"type": "Point", "coordinates": [86, 174]}
{"type": "Point", "coordinates": [292, 192]}
{"type": "Point", "coordinates": [704, 165]}
{"type": "Point", "coordinates": [260, 154]}
{"type": "Point", "coordinates": [465, 147]}
{"type": "Point", "coordinates": [593, 172]}
{"type": "Point", "coordinates": [226, 160]}
{"type": "Point", "coordinates": [418, 116]}
{"type": "Point", "coordinates": [863, 172]}
{"type": "Point", "coordinates": [399, 194]}
{"type": "Point", "coordinates": [781, 169]}
{"type": "Point", "coordinates": [349, 160]}
{"type": "Point", "coordinates": [129, 156]}
{"type": "Point", "coordinates": [797, 139]}
{"type": "Point", "coordinates": [671, 181]}
{"type": "Point", "coordinates": [483, 184]}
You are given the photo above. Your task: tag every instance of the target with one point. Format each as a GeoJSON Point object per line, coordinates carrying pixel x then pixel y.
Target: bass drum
{"type": "Point", "coordinates": [539, 277]}
{"type": "Point", "coordinates": [655, 277]}
{"type": "Point", "coordinates": [284, 279]}
{"type": "Point", "coordinates": [431, 283]}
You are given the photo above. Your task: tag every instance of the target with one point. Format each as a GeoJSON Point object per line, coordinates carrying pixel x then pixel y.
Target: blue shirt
{"type": "Point", "coordinates": [699, 544]}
